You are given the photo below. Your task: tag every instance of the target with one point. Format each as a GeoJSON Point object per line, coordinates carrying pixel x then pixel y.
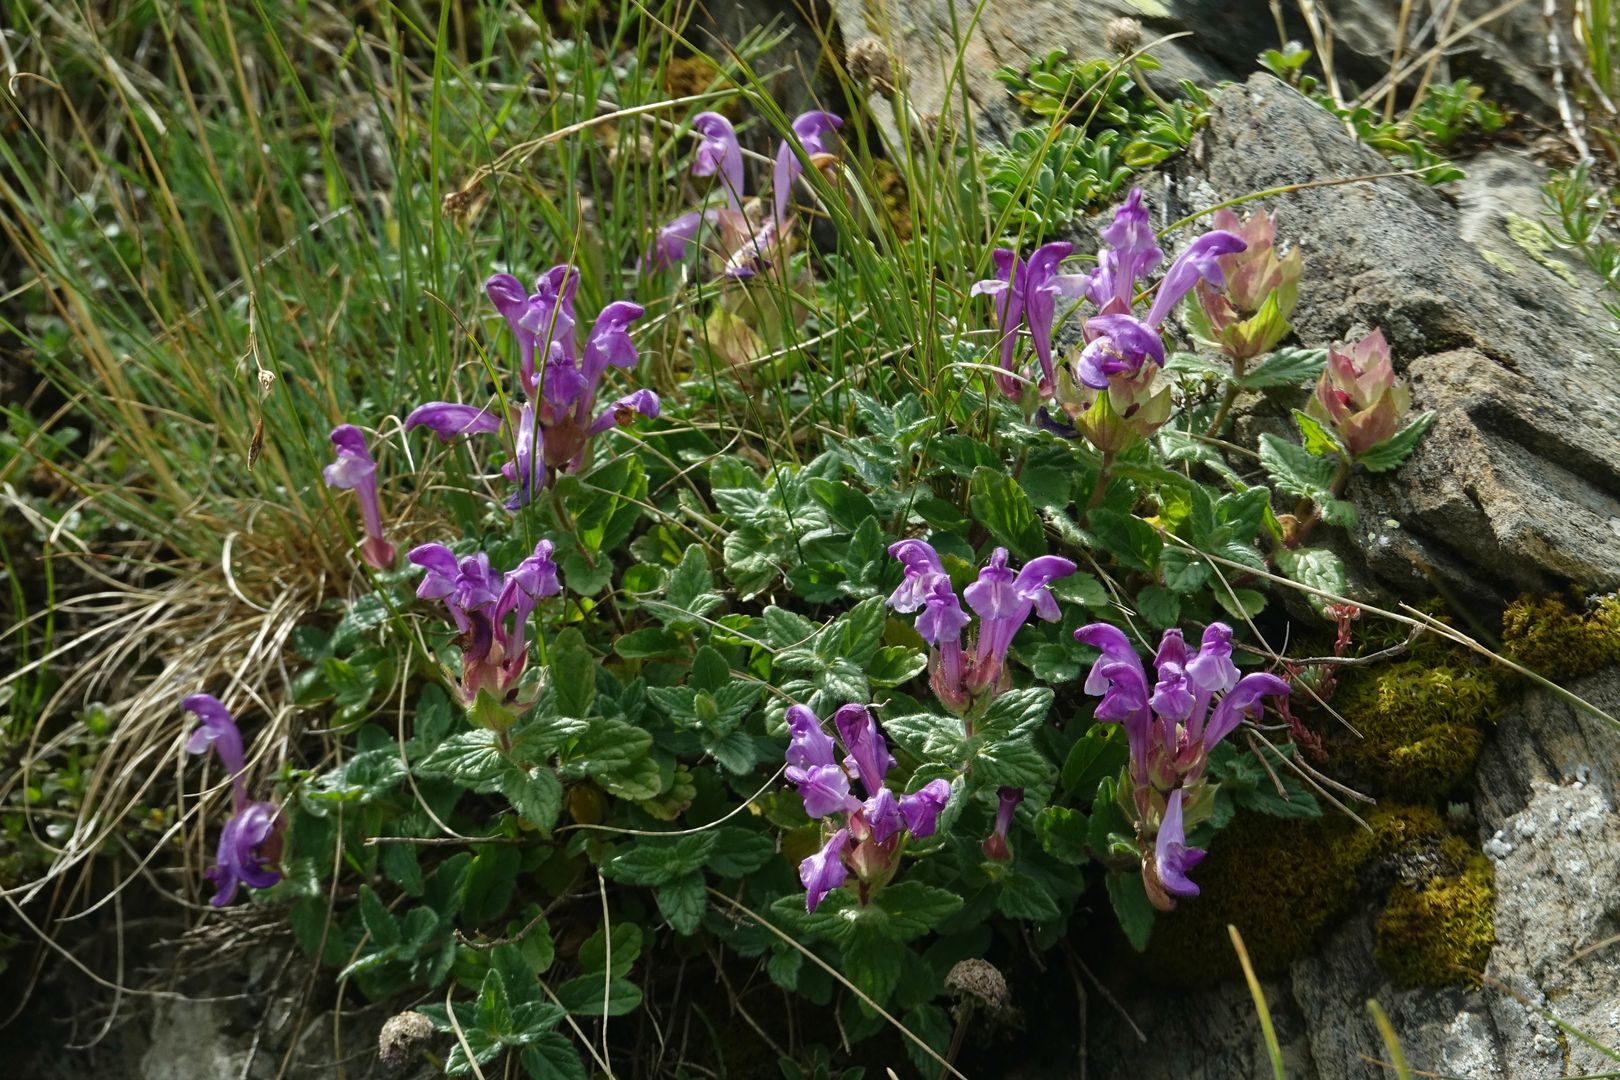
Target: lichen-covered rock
{"type": "Point", "coordinates": [1517, 486]}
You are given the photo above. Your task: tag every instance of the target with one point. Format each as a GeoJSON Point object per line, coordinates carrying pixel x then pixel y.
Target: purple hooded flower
{"type": "Point", "coordinates": [1008, 289]}
{"type": "Point", "coordinates": [1041, 290]}
{"type": "Point", "coordinates": [995, 845]}
{"type": "Point", "coordinates": [824, 789]}
{"type": "Point", "coordinates": [528, 464]}
{"type": "Point", "coordinates": [1197, 262]}
{"type": "Point", "coordinates": [447, 419]}
{"type": "Point", "coordinates": [817, 133]}
{"type": "Point", "coordinates": [1172, 752]}
{"type": "Point", "coordinates": [355, 470]}
{"type": "Point", "coordinates": [921, 809]}
{"type": "Point", "coordinates": [217, 729]}
{"type": "Point", "coordinates": [719, 154]}
{"type": "Point", "coordinates": [921, 564]}
{"type": "Point", "coordinates": [869, 760]}
{"type": "Point", "coordinates": [1003, 601]}
{"type": "Point", "coordinates": [882, 814]}
{"type": "Point", "coordinates": [1132, 254]}
{"type": "Point", "coordinates": [809, 745]}
{"type": "Point", "coordinates": [490, 610]}
{"type": "Point", "coordinates": [248, 845]}
{"type": "Point", "coordinates": [548, 318]}
{"type": "Point", "coordinates": [1172, 858]}
{"type": "Point", "coordinates": [624, 411]}
{"type": "Point", "coordinates": [824, 871]}
{"type": "Point", "coordinates": [1121, 343]}
{"type": "Point", "coordinates": [674, 237]}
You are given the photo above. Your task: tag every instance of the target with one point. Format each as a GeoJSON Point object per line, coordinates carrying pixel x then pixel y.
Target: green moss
{"type": "Point", "coordinates": [1421, 721]}
{"type": "Point", "coordinates": [1545, 636]}
{"type": "Point", "coordinates": [1279, 882]}
{"type": "Point", "coordinates": [1440, 932]}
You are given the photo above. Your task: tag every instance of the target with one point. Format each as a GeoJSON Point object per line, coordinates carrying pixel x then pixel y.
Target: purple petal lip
{"type": "Point", "coordinates": [447, 419]}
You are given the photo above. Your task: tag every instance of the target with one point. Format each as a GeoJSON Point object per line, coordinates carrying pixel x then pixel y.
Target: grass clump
{"type": "Point", "coordinates": [1559, 643]}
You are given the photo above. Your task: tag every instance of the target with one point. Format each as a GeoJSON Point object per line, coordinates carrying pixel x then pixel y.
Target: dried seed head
{"type": "Point", "coordinates": [872, 66]}
{"type": "Point", "coordinates": [401, 1037]}
{"type": "Point", "coordinates": [1123, 36]}
{"type": "Point", "coordinates": [981, 981]}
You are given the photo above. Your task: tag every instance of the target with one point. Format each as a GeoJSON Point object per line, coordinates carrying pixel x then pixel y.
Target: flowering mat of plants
{"type": "Point", "coordinates": [615, 573]}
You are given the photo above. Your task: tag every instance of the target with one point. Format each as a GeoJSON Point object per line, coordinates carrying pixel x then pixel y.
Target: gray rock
{"type": "Point", "coordinates": [1518, 484]}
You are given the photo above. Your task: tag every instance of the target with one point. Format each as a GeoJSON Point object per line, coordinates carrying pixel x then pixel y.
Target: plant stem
{"type": "Point", "coordinates": [1097, 492]}
{"type": "Point", "coordinates": [1215, 425]}
{"type": "Point", "coordinates": [1309, 513]}
{"type": "Point", "coordinates": [957, 1038]}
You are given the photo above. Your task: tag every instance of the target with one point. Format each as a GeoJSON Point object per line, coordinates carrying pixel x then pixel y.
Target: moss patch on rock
{"type": "Point", "coordinates": [1550, 639]}
{"type": "Point", "coordinates": [1440, 932]}
{"type": "Point", "coordinates": [1422, 722]}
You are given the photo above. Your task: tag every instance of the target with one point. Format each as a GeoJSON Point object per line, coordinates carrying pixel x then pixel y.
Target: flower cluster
{"type": "Point", "coordinates": [873, 830]}
{"type": "Point", "coordinates": [1170, 727]}
{"type": "Point", "coordinates": [1110, 388]}
{"type": "Point", "coordinates": [740, 236]}
{"type": "Point", "coordinates": [250, 843]}
{"type": "Point", "coordinates": [354, 470]}
{"type": "Point", "coordinates": [1358, 397]}
{"type": "Point", "coordinates": [560, 381]}
{"type": "Point", "coordinates": [1002, 599]}
{"type": "Point", "coordinates": [490, 609]}
{"type": "Point", "coordinates": [1250, 315]}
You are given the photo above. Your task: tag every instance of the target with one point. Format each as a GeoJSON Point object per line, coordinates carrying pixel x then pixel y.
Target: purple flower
{"type": "Point", "coordinates": [921, 564]}
{"type": "Point", "coordinates": [216, 728]}
{"type": "Point", "coordinates": [719, 154]}
{"type": "Point", "coordinates": [1131, 255]}
{"type": "Point", "coordinates": [1172, 858]}
{"type": "Point", "coordinates": [490, 610]}
{"type": "Point", "coordinates": [824, 871]}
{"type": "Point", "coordinates": [869, 760]}
{"type": "Point", "coordinates": [528, 464]}
{"type": "Point", "coordinates": [1173, 752]}
{"type": "Point", "coordinates": [921, 809]}
{"type": "Point", "coordinates": [1008, 289]}
{"type": "Point", "coordinates": [1243, 700]}
{"type": "Point", "coordinates": [995, 845]}
{"type": "Point", "coordinates": [1121, 343]}
{"type": "Point", "coordinates": [824, 789]}
{"type": "Point", "coordinates": [808, 746]}
{"type": "Point", "coordinates": [1003, 601]}
{"type": "Point", "coordinates": [882, 814]}
{"type": "Point", "coordinates": [674, 237]}
{"type": "Point", "coordinates": [623, 412]}
{"type": "Point", "coordinates": [816, 133]}
{"type": "Point", "coordinates": [355, 470]}
{"type": "Point", "coordinates": [447, 419]}
{"type": "Point", "coordinates": [548, 319]}
{"type": "Point", "coordinates": [249, 843]}
{"type": "Point", "coordinates": [1041, 290]}
{"type": "Point", "coordinates": [1197, 262]}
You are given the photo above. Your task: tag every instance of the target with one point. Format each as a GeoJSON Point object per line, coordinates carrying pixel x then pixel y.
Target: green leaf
{"type": "Point", "coordinates": [652, 861]}
{"type": "Point", "coordinates": [487, 711]}
{"type": "Point", "coordinates": [551, 1056]}
{"type": "Point", "coordinates": [1241, 603]}
{"type": "Point", "coordinates": [1098, 753]}
{"type": "Point", "coordinates": [1316, 567]}
{"type": "Point", "coordinates": [690, 592]}
{"type": "Point", "coordinates": [1001, 506]}
{"type": "Point", "coordinates": [894, 665]}
{"type": "Point", "coordinates": [873, 960]}
{"type": "Point", "coordinates": [1183, 571]}
{"type": "Point", "coordinates": [646, 643]}
{"type": "Point", "coordinates": [914, 909]}
{"type": "Point", "coordinates": [1022, 897]}
{"type": "Point", "coordinates": [1159, 606]}
{"type": "Point", "coordinates": [847, 506]}
{"type": "Point", "coordinates": [587, 578]}
{"type": "Point", "coordinates": [855, 635]}
{"type": "Point", "coordinates": [493, 1012]}
{"type": "Point", "coordinates": [469, 758]}
{"type": "Point", "coordinates": [1062, 833]}
{"type": "Point", "coordinates": [375, 918]}
{"type": "Point", "coordinates": [535, 793]}
{"type": "Point", "coordinates": [682, 902]}
{"type": "Point", "coordinates": [1294, 469]}
{"type": "Point", "coordinates": [1285, 367]}
{"type": "Point", "coordinates": [1318, 440]}
{"type": "Point", "coordinates": [738, 852]}
{"type": "Point", "coordinates": [573, 674]}
{"type": "Point", "coordinates": [1131, 906]}
{"type": "Point", "coordinates": [491, 880]}
{"type": "Point", "coordinates": [1129, 539]}
{"type": "Point", "coordinates": [607, 746]}
{"type": "Point", "coordinates": [1392, 452]}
